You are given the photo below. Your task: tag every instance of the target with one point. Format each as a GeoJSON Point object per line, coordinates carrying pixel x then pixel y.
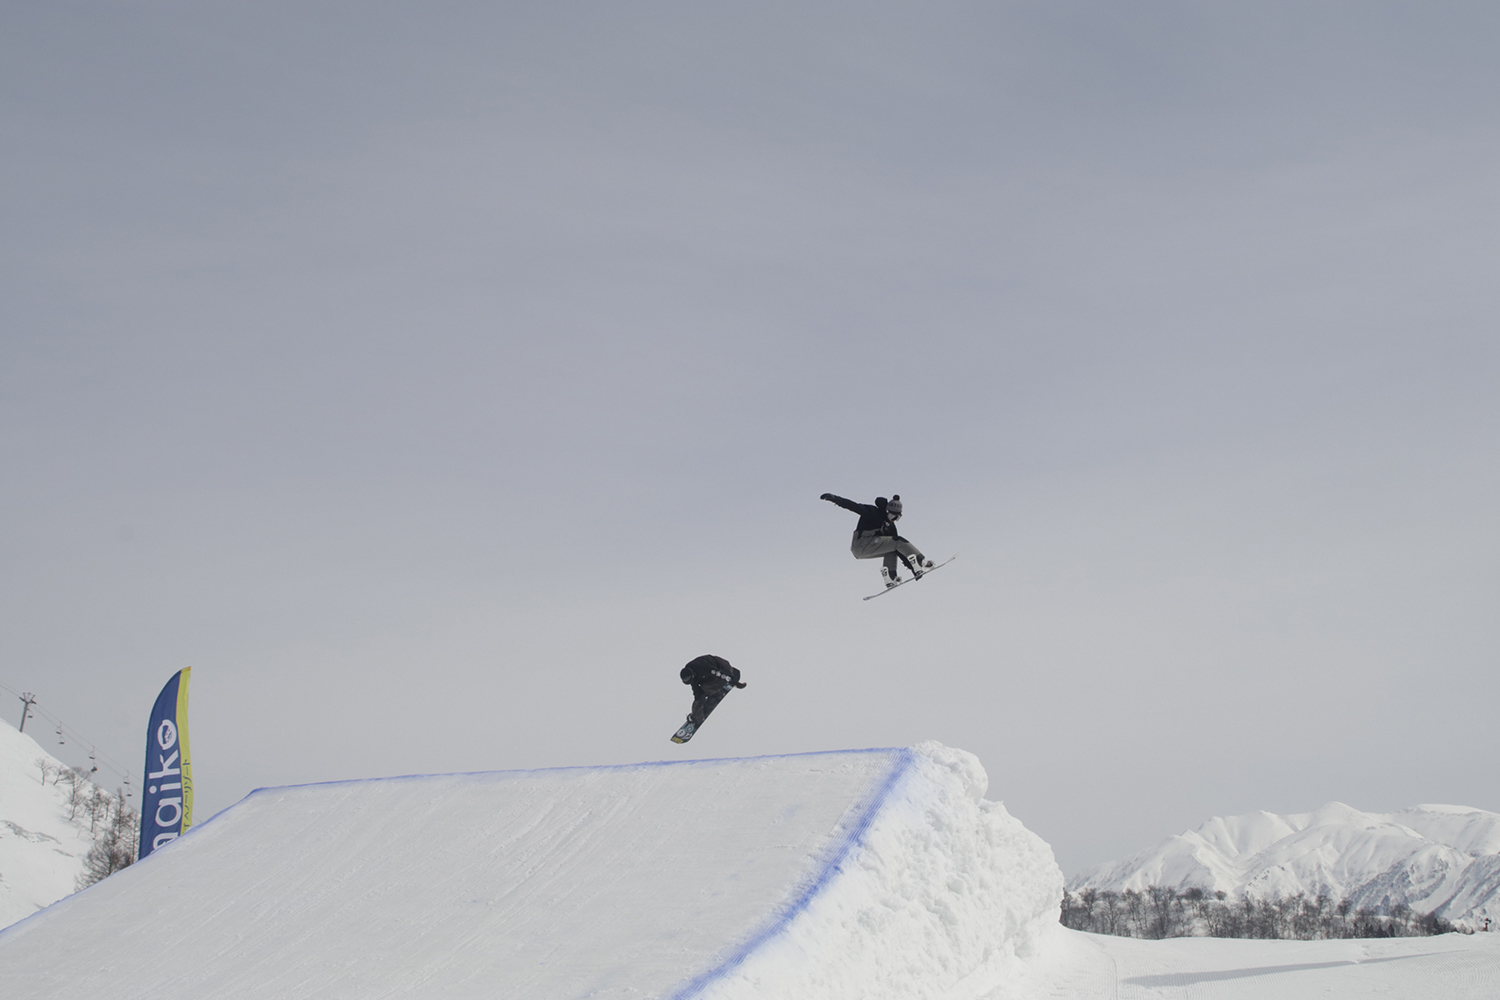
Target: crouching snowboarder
{"type": "Point", "coordinates": [711, 678]}
{"type": "Point", "coordinates": [875, 537]}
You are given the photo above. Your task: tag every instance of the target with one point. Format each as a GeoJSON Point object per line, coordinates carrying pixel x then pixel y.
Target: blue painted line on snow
{"type": "Point", "coordinates": [838, 852]}
{"type": "Point", "coordinates": [553, 770]}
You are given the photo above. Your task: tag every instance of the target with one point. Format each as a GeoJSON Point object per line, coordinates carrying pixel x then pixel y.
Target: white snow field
{"type": "Point", "coordinates": [41, 847]}
{"type": "Point", "coordinates": [859, 875]}
{"type": "Point", "coordinates": [1078, 966]}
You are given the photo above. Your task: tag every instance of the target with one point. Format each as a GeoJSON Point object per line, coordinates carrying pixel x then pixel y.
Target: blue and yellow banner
{"type": "Point", "coordinates": [167, 793]}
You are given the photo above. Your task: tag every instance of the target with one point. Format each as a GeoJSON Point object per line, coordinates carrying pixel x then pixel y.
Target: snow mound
{"type": "Point", "coordinates": [1439, 859]}
{"type": "Point", "coordinates": [858, 874]}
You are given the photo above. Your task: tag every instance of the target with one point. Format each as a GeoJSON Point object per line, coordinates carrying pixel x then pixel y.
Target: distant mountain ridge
{"type": "Point", "coordinates": [1434, 858]}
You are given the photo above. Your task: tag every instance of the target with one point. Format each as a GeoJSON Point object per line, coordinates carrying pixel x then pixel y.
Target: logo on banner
{"type": "Point", "coordinates": [167, 806]}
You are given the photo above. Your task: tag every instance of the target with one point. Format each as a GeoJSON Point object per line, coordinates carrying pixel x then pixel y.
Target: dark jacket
{"type": "Point", "coordinates": [871, 517]}
{"type": "Point", "coordinates": [709, 671]}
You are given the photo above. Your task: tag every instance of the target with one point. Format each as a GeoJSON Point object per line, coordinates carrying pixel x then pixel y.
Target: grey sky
{"type": "Point", "coordinates": [437, 378]}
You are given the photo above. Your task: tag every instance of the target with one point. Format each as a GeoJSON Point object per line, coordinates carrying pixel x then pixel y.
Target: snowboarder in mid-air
{"type": "Point", "coordinates": [875, 537]}
{"type": "Point", "coordinates": [711, 678]}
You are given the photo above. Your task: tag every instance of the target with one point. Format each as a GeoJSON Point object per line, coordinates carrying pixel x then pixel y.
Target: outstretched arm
{"type": "Point", "coordinates": [846, 504]}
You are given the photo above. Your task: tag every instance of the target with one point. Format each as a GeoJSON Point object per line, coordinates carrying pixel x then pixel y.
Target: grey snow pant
{"type": "Point", "coordinates": [874, 545]}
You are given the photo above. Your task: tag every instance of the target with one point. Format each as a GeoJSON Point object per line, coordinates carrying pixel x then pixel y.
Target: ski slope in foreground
{"type": "Point", "coordinates": [1078, 966]}
{"type": "Point", "coordinates": [860, 874]}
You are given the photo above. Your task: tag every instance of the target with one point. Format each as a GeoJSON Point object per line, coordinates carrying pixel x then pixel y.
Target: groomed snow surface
{"type": "Point", "coordinates": [862, 874]}
{"type": "Point", "coordinates": [1077, 966]}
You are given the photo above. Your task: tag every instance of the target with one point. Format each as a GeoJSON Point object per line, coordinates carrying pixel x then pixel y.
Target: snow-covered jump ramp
{"type": "Point", "coordinates": [860, 874]}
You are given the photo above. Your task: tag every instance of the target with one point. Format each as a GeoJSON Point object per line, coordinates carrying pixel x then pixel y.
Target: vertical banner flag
{"type": "Point", "coordinates": [167, 792]}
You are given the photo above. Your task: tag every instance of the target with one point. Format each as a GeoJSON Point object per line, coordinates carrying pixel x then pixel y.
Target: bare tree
{"type": "Point", "coordinates": [1087, 900]}
{"type": "Point", "coordinates": [98, 808]}
{"type": "Point", "coordinates": [78, 790]}
{"type": "Point", "coordinates": [1161, 912]}
{"type": "Point", "coordinates": [114, 846]}
{"type": "Point", "coordinates": [1135, 912]}
{"type": "Point", "coordinates": [1160, 905]}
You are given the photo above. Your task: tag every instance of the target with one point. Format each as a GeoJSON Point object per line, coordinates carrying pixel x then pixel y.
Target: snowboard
{"type": "Point", "coordinates": [688, 728]}
{"type": "Point", "coordinates": [898, 583]}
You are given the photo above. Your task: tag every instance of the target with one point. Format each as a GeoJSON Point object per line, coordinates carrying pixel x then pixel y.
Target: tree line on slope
{"type": "Point", "coordinates": [113, 824]}
{"type": "Point", "coordinates": [1163, 912]}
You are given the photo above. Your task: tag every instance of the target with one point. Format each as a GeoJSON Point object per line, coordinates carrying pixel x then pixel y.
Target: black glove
{"type": "Point", "coordinates": [826, 496]}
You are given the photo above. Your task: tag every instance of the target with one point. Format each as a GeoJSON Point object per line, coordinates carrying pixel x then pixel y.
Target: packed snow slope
{"type": "Point", "coordinates": [1079, 966]}
{"type": "Point", "coordinates": [860, 874]}
{"type": "Point", "coordinates": [1433, 858]}
{"type": "Point", "coordinates": [43, 837]}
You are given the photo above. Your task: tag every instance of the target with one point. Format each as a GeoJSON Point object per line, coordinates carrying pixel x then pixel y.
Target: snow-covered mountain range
{"type": "Point", "coordinates": [44, 831]}
{"type": "Point", "coordinates": [1433, 858]}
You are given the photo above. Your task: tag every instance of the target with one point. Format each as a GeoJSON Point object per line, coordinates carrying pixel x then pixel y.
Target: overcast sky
{"type": "Point", "coordinates": [436, 379]}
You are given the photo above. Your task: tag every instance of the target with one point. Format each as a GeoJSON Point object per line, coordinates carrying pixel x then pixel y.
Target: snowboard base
{"type": "Point", "coordinates": [910, 579]}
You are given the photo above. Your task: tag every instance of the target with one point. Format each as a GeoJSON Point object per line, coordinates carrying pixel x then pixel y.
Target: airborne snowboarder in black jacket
{"type": "Point", "coordinates": [711, 678]}
{"type": "Point", "coordinates": [875, 536]}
